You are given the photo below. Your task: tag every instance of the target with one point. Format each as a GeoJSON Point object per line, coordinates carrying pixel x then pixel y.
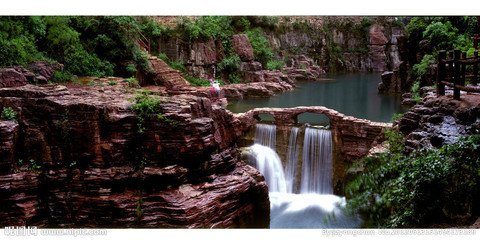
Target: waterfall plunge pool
{"type": "Point", "coordinates": [301, 191]}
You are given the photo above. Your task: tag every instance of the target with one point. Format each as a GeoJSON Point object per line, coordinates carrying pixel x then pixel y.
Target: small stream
{"type": "Point", "coordinates": [351, 94]}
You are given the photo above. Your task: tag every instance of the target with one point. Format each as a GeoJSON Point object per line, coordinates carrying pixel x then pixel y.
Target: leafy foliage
{"type": "Point", "coordinates": [230, 63]}
{"type": "Point", "coordinates": [234, 78]}
{"type": "Point", "coordinates": [132, 82]}
{"type": "Point", "coordinates": [397, 116]}
{"type": "Point", "coordinates": [18, 38]}
{"type": "Point", "coordinates": [87, 46]}
{"type": "Point", "coordinates": [416, 92]}
{"type": "Point", "coordinates": [424, 188]}
{"type": "Point", "coordinates": [201, 82]}
{"type": "Point", "coordinates": [261, 47]}
{"type": "Point", "coordinates": [8, 114]}
{"type": "Point", "coordinates": [61, 76]}
{"type": "Point", "coordinates": [216, 27]}
{"type": "Point", "coordinates": [275, 64]}
{"type": "Point", "coordinates": [131, 69]}
{"type": "Point", "coordinates": [395, 141]}
{"type": "Point", "coordinates": [420, 70]}
{"type": "Point", "coordinates": [145, 105]}
{"type": "Point", "coordinates": [440, 35]}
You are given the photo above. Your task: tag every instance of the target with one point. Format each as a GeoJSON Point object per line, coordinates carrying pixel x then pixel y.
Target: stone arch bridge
{"type": "Point", "coordinates": [352, 137]}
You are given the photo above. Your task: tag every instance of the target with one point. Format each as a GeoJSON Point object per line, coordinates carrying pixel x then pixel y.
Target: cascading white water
{"type": "Point", "coordinates": [292, 157]}
{"type": "Point", "coordinates": [269, 164]}
{"type": "Point", "coordinates": [317, 162]}
{"type": "Point", "coordinates": [265, 134]}
{"type": "Point", "coordinates": [311, 210]}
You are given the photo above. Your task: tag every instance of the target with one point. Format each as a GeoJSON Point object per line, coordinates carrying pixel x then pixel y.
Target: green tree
{"type": "Point", "coordinates": [440, 35]}
{"type": "Point", "coordinates": [261, 47]}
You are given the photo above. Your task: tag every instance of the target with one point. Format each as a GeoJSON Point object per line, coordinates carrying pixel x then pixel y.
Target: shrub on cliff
{"type": "Point", "coordinates": [275, 64]}
{"type": "Point", "coordinates": [147, 105]}
{"type": "Point", "coordinates": [200, 82]}
{"type": "Point", "coordinates": [8, 114]}
{"type": "Point", "coordinates": [216, 27]}
{"type": "Point", "coordinates": [230, 63]}
{"type": "Point", "coordinates": [440, 35]}
{"type": "Point", "coordinates": [428, 187]}
{"type": "Point", "coordinates": [261, 47]}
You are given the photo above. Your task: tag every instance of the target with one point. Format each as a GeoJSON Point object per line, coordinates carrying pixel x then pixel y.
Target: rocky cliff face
{"type": "Point", "coordinates": [75, 159]}
{"type": "Point", "coordinates": [376, 48]}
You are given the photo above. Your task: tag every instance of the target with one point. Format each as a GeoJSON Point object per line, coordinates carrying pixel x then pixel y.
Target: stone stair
{"type": "Point", "coordinates": [166, 76]}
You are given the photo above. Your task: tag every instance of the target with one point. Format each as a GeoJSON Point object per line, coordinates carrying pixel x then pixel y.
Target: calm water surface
{"type": "Point", "coordinates": [352, 94]}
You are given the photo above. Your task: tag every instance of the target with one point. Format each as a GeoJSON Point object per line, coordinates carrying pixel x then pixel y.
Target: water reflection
{"type": "Point", "coordinates": [351, 94]}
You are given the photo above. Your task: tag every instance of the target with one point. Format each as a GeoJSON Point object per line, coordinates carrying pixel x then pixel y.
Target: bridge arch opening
{"type": "Point", "coordinates": [264, 117]}
{"type": "Point", "coordinates": [312, 118]}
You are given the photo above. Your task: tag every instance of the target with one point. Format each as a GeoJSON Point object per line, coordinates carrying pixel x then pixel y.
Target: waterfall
{"type": "Point", "coordinates": [269, 164]}
{"type": "Point", "coordinates": [292, 157]}
{"type": "Point", "coordinates": [317, 162]}
{"type": "Point", "coordinates": [265, 134]}
{"type": "Point", "coordinates": [315, 207]}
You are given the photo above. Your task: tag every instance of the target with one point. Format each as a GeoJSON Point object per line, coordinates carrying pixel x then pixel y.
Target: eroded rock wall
{"type": "Point", "coordinates": [75, 159]}
{"type": "Point", "coordinates": [344, 46]}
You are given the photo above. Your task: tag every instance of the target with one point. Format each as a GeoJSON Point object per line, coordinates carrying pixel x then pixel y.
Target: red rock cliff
{"type": "Point", "coordinates": [75, 159]}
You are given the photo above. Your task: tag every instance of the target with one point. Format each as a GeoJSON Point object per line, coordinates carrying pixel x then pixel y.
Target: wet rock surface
{"type": "Point", "coordinates": [437, 121]}
{"type": "Point", "coordinates": [79, 161]}
{"type": "Point", "coordinates": [394, 81]}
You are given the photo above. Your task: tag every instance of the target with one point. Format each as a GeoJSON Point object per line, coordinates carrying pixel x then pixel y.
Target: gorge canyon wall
{"type": "Point", "coordinates": [75, 158]}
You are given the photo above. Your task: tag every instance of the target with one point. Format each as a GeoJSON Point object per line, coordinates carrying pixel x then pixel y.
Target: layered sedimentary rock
{"type": "Point", "coordinates": [36, 72]}
{"type": "Point", "coordinates": [8, 139]}
{"type": "Point", "coordinates": [164, 75]}
{"type": "Point", "coordinates": [11, 77]}
{"type": "Point", "coordinates": [237, 91]}
{"type": "Point", "coordinates": [303, 68]}
{"type": "Point", "coordinates": [437, 121]}
{"type": "Point", "coordinates": [80, 161]}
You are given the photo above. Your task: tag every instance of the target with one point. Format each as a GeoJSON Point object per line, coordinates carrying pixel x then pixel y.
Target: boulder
{"type": "Point", "coordinates": [44, 69]}
{"type": "Point", "coordinates": [242, 47]}
{"type": "Point", "coordinates": [250, 66]}
{"type": "Point", "coordinates": [10, 77]}
{"type": "Point", "coordinates": [437, 121]}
